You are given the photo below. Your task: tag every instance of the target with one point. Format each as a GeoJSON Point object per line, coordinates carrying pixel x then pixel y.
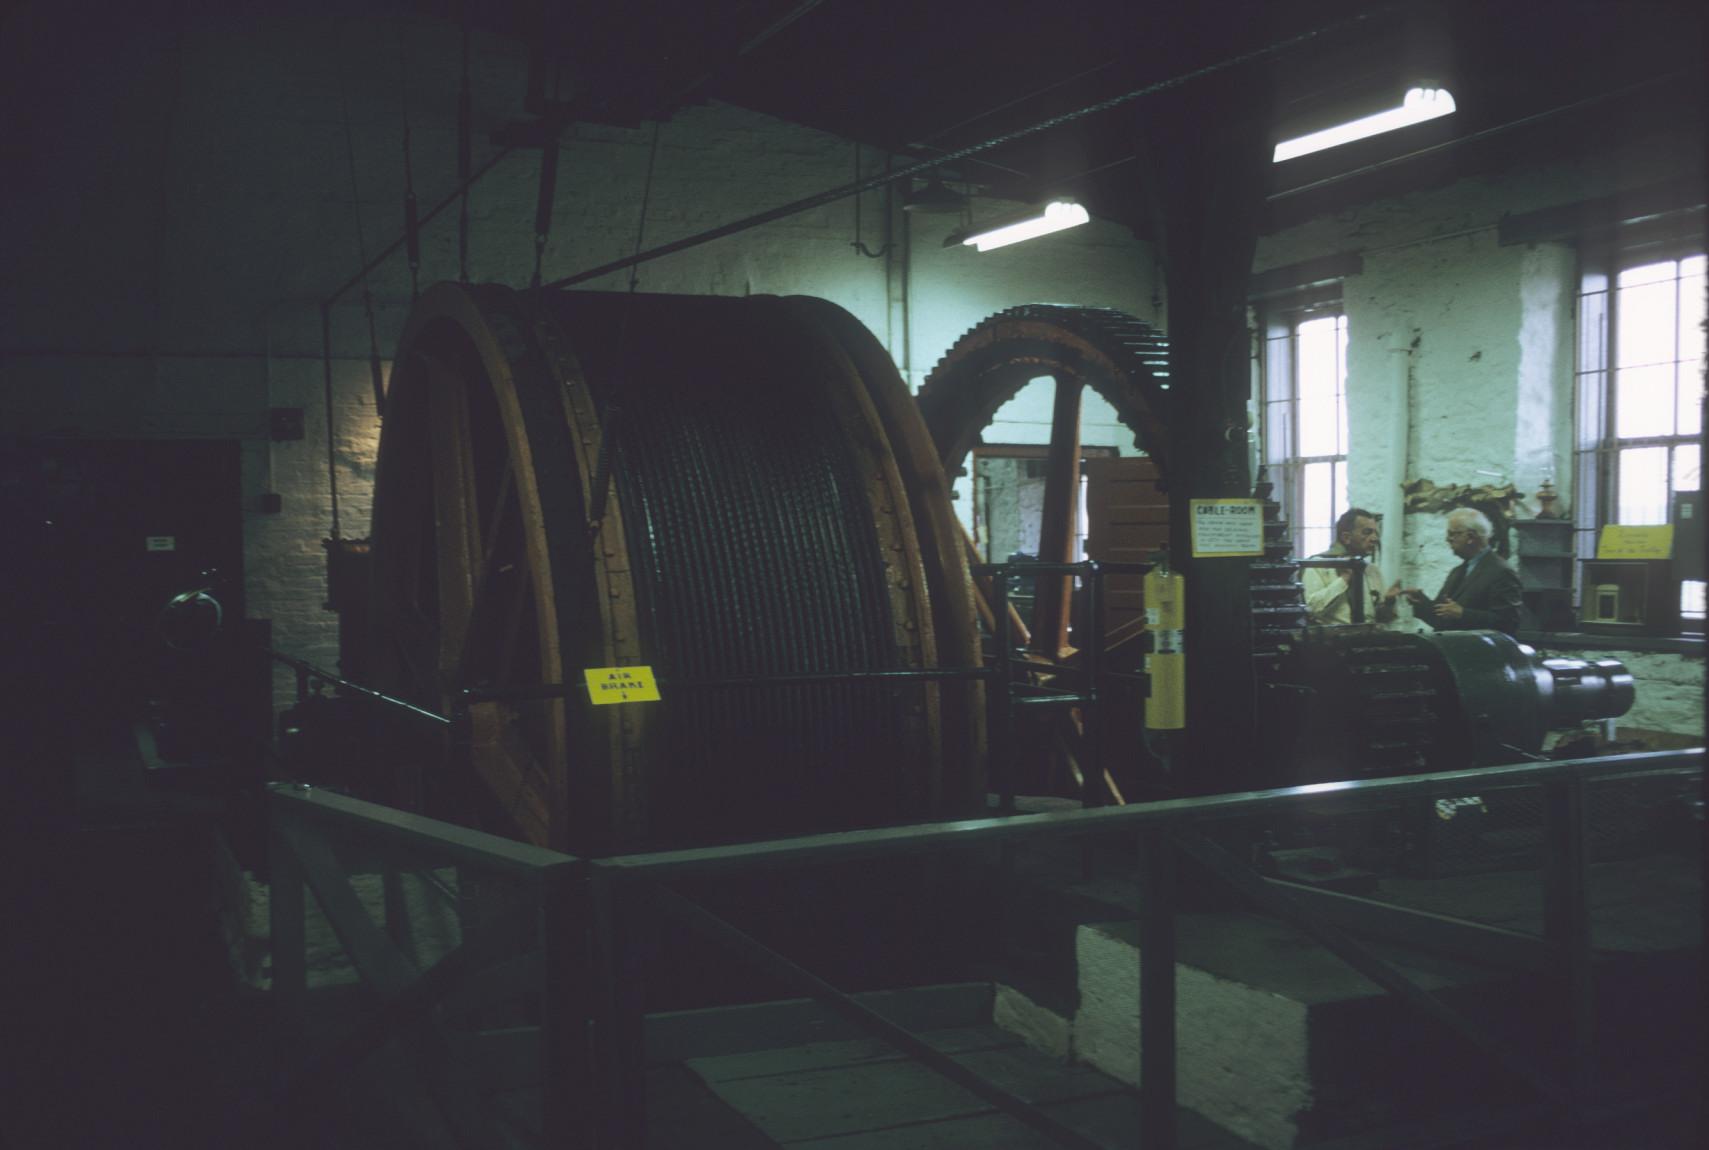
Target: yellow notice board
{"type": "Point", "coordinates": [1227, 527]}
{"type": "Point", "coordinates": [1624, 541]}
{"type": "Point", "coordinates": [607, 685]}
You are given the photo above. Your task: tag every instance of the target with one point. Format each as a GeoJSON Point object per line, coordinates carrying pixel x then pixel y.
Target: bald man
{"type": "Point", "coordinates": [1482, 593]}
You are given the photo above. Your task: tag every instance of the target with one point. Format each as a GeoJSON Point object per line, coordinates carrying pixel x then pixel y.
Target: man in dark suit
{"type": "Point", "coordinates": [1482, 593]}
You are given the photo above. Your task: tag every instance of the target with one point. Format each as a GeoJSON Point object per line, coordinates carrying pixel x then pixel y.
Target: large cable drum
{"type": "Point", "coordinates": [737, 493]}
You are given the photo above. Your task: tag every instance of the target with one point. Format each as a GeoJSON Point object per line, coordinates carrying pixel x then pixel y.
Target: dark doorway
{"type": "Point", "coordinates": [104, 533]}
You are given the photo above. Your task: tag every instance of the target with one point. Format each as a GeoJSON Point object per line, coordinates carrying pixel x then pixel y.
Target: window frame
{"type": "Point", "coordinates": [1597, 446]}
{"type": "Point", "coordinates": [1279, 320]}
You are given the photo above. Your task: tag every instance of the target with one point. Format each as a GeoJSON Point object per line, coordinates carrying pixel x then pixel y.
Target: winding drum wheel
{"type": "Point", "coordinates": [1124, 360]}
{"type": "Point", "coordinates": [1121, 358]}
{"type": "Point", "coordinates": [728, 491]}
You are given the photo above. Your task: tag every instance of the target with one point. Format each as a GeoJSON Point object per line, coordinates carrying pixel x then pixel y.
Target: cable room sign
{"type": "Point", "coordinates": [1227, 527]}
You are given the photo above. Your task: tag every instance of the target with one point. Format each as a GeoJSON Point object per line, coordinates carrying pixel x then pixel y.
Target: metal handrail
{"type": "Point", "coordinates": [455, 843]}
{"type": "Point", "coordinates": [880, 842]}
{"type": "Point", "coordinates": [598, 893]}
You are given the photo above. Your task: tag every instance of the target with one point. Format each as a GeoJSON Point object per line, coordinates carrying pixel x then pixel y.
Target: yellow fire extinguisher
{"type": "Point", "coordinates": [1166, 618]}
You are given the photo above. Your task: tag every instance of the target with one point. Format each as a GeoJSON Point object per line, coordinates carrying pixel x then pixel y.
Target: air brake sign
{"type": "Point", "coordinates": [606, 685]}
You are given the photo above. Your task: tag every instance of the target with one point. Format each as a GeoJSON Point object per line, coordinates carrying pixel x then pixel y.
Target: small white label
{"type": "Point", "coordinates": [1153, 615]}
{"type": "Point", "coordinates": [1687, 510]}
{"type": "Point", "coordinates": [1447, 808]}
{"type": "Point", "coordinates": [162, 543]}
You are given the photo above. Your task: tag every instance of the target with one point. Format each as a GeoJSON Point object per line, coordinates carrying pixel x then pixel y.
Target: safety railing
{"type": "Point", "coordinates": [446, 955]}
{"type": "Point", "coordinates": [1009, 692]}
{"type": "Point", "coordinates": [590, 1039]}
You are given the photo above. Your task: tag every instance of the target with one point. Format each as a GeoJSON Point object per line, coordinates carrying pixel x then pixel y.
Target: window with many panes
{"type": "Point", "coordinates": [1305, 419]}
{"type": "Point", "coordinates": [1640, 394]}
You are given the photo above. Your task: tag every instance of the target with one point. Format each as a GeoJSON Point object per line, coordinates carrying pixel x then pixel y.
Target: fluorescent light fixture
{"type": "Point", "coordinates": [1058, 214]}
{"type": "Point", "coordinates": [1420, 104]}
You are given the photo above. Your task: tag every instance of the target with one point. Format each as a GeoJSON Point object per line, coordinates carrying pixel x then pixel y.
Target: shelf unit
{"type": "Point", "coordinates": [1543, 556]}
{"type": "Point", "coordinates": [1629, 597]}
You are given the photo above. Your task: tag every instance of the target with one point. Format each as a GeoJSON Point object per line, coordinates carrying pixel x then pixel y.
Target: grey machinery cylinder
{"type": "Point", "coordinates": [1357, 703]}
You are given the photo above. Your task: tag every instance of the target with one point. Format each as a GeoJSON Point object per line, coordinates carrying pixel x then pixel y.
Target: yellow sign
{"type": "Point", "coordinates": [606, 685]}
{"type": "Point", "coordinates": [1227, 527]}
{"type": "Point", "coordinates": [1621, 541]}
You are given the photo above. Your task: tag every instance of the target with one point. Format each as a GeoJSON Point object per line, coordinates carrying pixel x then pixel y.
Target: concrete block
{"type": "Point", "coordinates": [1242, 1051]}
{"type": "Point", "coordinates": [1038, 1026]}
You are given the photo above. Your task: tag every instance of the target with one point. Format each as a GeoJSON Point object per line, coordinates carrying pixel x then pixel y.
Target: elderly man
{"type": "Point", "coordinates": [1482, 593]}
{"type": "Point", "coordinates": [1326, 598]}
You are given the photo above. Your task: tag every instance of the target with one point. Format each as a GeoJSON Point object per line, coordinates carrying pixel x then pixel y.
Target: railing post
{"type": "Point", "coordinates": [570, 1099]}
{"type": "Point", "coordinates": [287, 939]}
{"type": "Point", "coordinates": [1092, 725]}
{"type": "Point", "coordinates": [1567, 926]}
{"type": "Point", "coordinates": [1157, 1085]}
{"type": "Point", "coordinates": [1000, 702]}
{"type": "Point", "coordinates": [396, 903]}
{"type": "Point", "coordinates": [1356, 591]}
{"type": "Point", "coordinates": [620, 913]}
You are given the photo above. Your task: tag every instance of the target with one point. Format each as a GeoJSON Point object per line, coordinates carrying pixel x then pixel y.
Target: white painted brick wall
{"type": "Point", "coordinates": [223, 212]}
{"type": "Point", "coordinates": [256, 225]}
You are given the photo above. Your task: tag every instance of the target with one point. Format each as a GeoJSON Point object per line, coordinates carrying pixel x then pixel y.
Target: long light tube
{"type": "Point", "coordinates": [1058, 214]}
{"type": "Point", "coordinates": [1420, 104]}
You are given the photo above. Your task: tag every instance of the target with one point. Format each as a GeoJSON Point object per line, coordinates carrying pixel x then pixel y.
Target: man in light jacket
{"type": "Point", "coordinates": [1326, 588]}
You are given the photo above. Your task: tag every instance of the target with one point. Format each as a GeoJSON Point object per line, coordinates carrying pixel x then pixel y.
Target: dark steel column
{"type": "Point", "coordinates": [1207, 152]}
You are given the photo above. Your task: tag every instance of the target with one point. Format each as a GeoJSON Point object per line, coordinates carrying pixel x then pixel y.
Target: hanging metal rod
{"type": "Point", "coordinates": [880, 180]}
{"type": "Point", "coordinates": [450, 198]}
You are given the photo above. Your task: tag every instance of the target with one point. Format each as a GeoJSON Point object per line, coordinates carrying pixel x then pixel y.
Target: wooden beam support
{"type": "Point", "coordinates": [1054, 597]}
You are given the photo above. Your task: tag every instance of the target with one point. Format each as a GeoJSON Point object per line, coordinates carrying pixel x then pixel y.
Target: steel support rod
{"type": "Point", "coordinates": [901, 674]}
{"type": "Point", "coordinates": [1567, 927]}
{"type": "Point", "coordinates": [618, 1050]}
{"type": "Point", "coordinates": [1091, 716]}
{"type": "Point", "coordinates": [421, 222]}
{"type": "Point", "coordinates": [999, 701]}
{"type": "Point", "coordinates": [1030, 567]}
{"type": "Point", "coordinates": [568, 1071]}
{"type": "Point", "coordinates": [1157, 1047]}
{"type": "Point", "coordinates": [308, 670]}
